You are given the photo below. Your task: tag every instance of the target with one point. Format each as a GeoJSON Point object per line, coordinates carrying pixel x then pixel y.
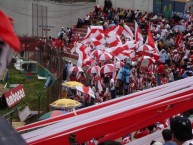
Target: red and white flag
{"type": "Point", "coordinates": [82, 54]}
{"type": "Point", "coordinates": [114, 71]}
{"type": "Point", "coordinates": [138, 35]}
{"type": "Point", "coordinates": [126, 27]}
{"type": "Point", "coordinates": [99, 84]}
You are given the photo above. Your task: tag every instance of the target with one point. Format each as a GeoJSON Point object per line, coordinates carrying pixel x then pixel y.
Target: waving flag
{"type": "Point", "coordinates": [138, 35]}
{"type": "Point", "coordinates": [150, 40]}
{"type": "Point", "coordinates": [86, 90]}
{"type": "Point", "coordinates": [99, 84]}
{"type": "Point", "coordinates": [82, 51]}
{"type": "Point", "coordinates": [128, 30]}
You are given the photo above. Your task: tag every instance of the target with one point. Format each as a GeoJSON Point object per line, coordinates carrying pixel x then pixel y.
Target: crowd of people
{"type": "Point", "coordinates": [174, 45]}
{"type": "Point", "coordinates": [175, 62]}
{"type": "Point", "coordinates": [174, 40]}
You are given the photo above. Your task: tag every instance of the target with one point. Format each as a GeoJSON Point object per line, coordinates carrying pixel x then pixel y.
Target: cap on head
{"type": "Point", "coordinates": [181, 128]}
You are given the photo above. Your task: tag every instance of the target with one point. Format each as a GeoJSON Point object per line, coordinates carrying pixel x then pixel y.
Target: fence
{"type": "Point", "coordinates": [50, 64]}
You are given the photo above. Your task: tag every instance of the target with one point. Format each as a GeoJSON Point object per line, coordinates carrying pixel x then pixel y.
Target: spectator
{"type": "Point", "coordinates": [109, 143]}
{"type": "Point", "coordinates": [181, 129]}
{"type": "Point", "coordinates": [163, 56]}
{"type": "Point", "coordinates": [156, 143]}
{"type": "Point", "coordinates": [69, 65]}
{"type": "Point", "coordinates": [187, 73]}
{"type": "Point", "coordinates": [61, 33]}
{"type": "Point", "coordinates": [167, 136]}
{"type": "Point", "coordinates": [65, 72]}
{"type": "Point", "coordinates": [79, 23]}
{"type": "Point", "coordinates": [87, 20]}
{"type": "Point", "coordinates": [112, 88]}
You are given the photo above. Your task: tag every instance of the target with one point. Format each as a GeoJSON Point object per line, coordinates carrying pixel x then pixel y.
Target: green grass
{"type": "Point", "coordinates": [32, 87]}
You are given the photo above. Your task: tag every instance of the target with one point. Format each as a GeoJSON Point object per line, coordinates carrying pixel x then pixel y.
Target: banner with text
{"type": "Point", "coordinates": [14, 96]}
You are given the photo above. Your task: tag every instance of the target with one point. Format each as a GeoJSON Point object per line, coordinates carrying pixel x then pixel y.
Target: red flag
{"type": "Point", "coordinates": [150, 40]}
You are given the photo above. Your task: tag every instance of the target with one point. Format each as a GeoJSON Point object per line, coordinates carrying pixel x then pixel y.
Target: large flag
{"type": "Point", "coordinates": [82, 54]}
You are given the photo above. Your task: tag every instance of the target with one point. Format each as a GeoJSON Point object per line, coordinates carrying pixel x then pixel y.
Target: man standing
{"type": "Point", "coordinates": [65, 72]}
{"type": "Point", "coordinates": [69, 65]}
{"type": "Point", "coordinates": [167, 136]}
{"type": "Point", "coordinates": [181, 129]}
{"type": "Point", "coordinates": [112, 88]}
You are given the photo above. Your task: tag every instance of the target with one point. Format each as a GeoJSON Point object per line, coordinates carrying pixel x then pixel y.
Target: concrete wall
{"type": "Point", "coordinates": [142, 5]}
{"type": "Point", "coordinates": [59, 14]}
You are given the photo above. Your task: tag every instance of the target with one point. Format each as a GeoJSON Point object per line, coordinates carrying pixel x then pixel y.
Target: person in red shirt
{"type": "Point", "coordinates": [164, 79]}
{"type": "Point", "coordinates": [161, 70]}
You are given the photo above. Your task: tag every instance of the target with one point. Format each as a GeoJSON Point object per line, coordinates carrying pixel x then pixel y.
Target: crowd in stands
{"type": "Point", "coordinates": [175, 46]}
{"type": "Point", "coordinates": [174, 39]}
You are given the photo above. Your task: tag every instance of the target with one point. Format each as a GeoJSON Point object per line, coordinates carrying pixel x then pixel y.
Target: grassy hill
{"type": "Point", "coordinates": [32, 87]}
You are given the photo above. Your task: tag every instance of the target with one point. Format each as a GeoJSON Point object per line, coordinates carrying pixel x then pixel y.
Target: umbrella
{"type": "Point", "coordinates": [86, 90]}
{"type": "Point", "coordinates": [72, 84]}
{"type": "Point", "coordinates": [93, 69]}
{"type": "Point", "coordinates": [146, 61]}
{"type": "Point", "coordinates": [52, 114]}
{"type": "Point", "coordinates": [76, 69]}
{"type": "Point", "coordinates": [65, 103]}
{"type": "Point", "coordinates": [105, 56]}
{"type": "Point", "coordinates": [88, 61]}
{"type": "Point", "coordinates": [96, 53]}
{"type": "Point", "coordinates": [107, 68]}
{"type": "Point", "coordinates": [179, 28]}
{"type": "Point", "coordinates": [119, 64]}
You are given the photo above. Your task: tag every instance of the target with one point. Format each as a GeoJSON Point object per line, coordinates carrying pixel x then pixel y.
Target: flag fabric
{"type": "Point", "coordinates": [128, 29]}
{"type": "Point", "coordinates": [138, 35]}
{"type": "Point", "coordinates": [150, 40]}
{"type": "Point", "coordinates": [114, 72]}
{"type": "Point", "coordinates": [99, 84]}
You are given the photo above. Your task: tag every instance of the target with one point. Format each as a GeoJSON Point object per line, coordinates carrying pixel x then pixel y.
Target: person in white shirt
{"type": "Point", "coordinates": [171, 76]}
{"type": "Point", "coordinates": [112, 88]}
{"type": "Point", "coordinates": [69, 65]}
